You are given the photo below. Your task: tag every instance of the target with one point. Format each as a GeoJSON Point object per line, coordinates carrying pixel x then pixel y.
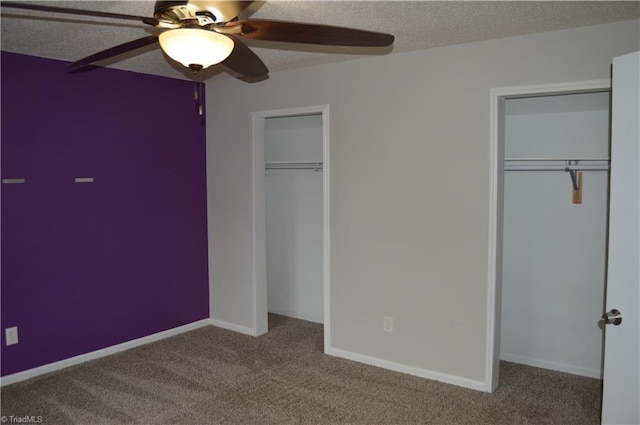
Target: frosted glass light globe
{"type": "Point", "coordinates": [194, 46]}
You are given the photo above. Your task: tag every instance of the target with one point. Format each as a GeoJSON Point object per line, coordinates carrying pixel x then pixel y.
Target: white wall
{"type": "Point", "coordinates": [410, 186]}
{"type": "Point", "coordinates": [558, 126]}
{"type": "Point", "coordinates": [294, 208]}
{"type": "Point", "coordinates": [554, 250]}
{"type": "Point", "coordinates": [297, 138]}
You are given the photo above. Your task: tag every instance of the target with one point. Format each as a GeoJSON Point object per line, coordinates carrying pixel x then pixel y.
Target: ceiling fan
{"type": "Point", "coordinates": [199, 34]}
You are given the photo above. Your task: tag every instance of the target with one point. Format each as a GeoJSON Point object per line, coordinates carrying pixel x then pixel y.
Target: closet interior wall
{"type": "Point", "coordinates": [555, 250]}
{"type": "Point", "coordinates": [294, 216]}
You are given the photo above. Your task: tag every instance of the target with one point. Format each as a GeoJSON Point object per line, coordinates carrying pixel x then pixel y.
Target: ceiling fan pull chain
{"type": "Point", "coordinates": [195, 90]}
{"type": "Point", "coordinates": [197, 81]}
{"type": "Point", "coordinates": [201, 103]}
{"type": "Point", "coordinates": [197, 93]}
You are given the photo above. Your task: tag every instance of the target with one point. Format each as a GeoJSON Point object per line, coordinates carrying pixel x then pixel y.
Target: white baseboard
{"type": "Point", "coordinates": [82, 358]}
{"type": "Point", "coordinates": [233, 327]}
{"type": "Point", "coordinates": [411, 370]}
{"type": "Point", "coordinates": [296, 315]}
{"type": "Point", "coordinates": [546, 364]}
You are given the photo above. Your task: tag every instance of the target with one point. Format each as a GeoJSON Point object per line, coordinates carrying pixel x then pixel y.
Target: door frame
{"type": "Point", "coordinates": [260, 313]}
{"type": "Point", "coordinates": [496, 204]}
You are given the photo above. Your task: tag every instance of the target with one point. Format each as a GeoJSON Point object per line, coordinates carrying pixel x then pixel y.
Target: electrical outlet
{"type": "Point", "coordinates": [387, 324]}
{"type": "Point", "coordinates": [11, 335]}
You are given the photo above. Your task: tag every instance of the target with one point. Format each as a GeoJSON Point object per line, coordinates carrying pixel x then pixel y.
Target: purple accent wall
{"type": "Point", "coordinates": [88, 265]}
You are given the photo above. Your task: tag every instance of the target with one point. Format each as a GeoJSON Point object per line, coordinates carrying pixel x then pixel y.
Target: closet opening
{"type": "Point", "coordinates": [555, 231]}
{"type": "Point", "coordinates": [293, 213]}
{"type": "Point", "coordinates": [549, 230]}
{"type": "Point", "coordinates": [291, 204]}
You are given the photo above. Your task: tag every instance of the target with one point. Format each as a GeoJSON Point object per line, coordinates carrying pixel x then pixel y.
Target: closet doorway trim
{"type": "Point", "coordinates": [260, 314]}
{"type": "Point", "coordinates": [496, 179]}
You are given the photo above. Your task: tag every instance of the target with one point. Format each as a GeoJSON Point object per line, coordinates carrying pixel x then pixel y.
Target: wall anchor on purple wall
{"type": "Point", "coordinates": [84, 180]}
{"type": "Point", "coordinates": [13, 181]}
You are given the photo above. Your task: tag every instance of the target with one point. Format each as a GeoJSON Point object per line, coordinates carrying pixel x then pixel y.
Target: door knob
{"type": "Point", "coordinates": [613, 317]}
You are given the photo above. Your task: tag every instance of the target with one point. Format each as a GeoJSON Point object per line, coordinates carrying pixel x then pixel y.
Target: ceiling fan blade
{"type": "Point", "coordinates": [114, 51]}
{"type": "Point", "coordinates": [293, 32]}
{"type": "Point", "coordinates": [55, 9]}
{"type": "Point", "coordinates": [244, 61]}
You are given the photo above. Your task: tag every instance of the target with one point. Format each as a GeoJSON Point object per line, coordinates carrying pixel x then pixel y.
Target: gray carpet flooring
{"type": "Point", "coordinates": [215, 376]}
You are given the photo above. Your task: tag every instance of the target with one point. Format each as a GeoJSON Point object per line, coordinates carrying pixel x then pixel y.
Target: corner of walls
{"type": "Point", "coordinates": [233, 327]}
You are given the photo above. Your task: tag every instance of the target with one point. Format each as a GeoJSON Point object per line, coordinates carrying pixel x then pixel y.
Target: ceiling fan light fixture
{"type": "Point", "coordinates": [194, 46]}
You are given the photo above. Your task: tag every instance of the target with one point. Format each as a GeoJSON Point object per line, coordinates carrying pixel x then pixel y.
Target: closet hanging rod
{"type": "Point", "coordinates": [546, 164]}
{"type": "Point", "coordinates": [563, 168]}
{"type": "Point", "coordinates": [550, 159]}
{"type": "Point", "coordinates": [299, 165]}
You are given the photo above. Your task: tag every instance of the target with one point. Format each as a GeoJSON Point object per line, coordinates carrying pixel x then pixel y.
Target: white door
{"type": "Point", "coordinates": [621, 391]}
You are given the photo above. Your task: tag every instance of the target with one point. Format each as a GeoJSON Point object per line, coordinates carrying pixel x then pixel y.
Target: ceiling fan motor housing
{"type": "Point", "coordinates": [165, 9]}
{"type": "Point", "coordinates": [186, 12]}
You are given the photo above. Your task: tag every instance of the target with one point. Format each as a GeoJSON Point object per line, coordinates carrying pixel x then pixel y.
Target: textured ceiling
{"type": "Point", "coordinates": [415, 24]}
